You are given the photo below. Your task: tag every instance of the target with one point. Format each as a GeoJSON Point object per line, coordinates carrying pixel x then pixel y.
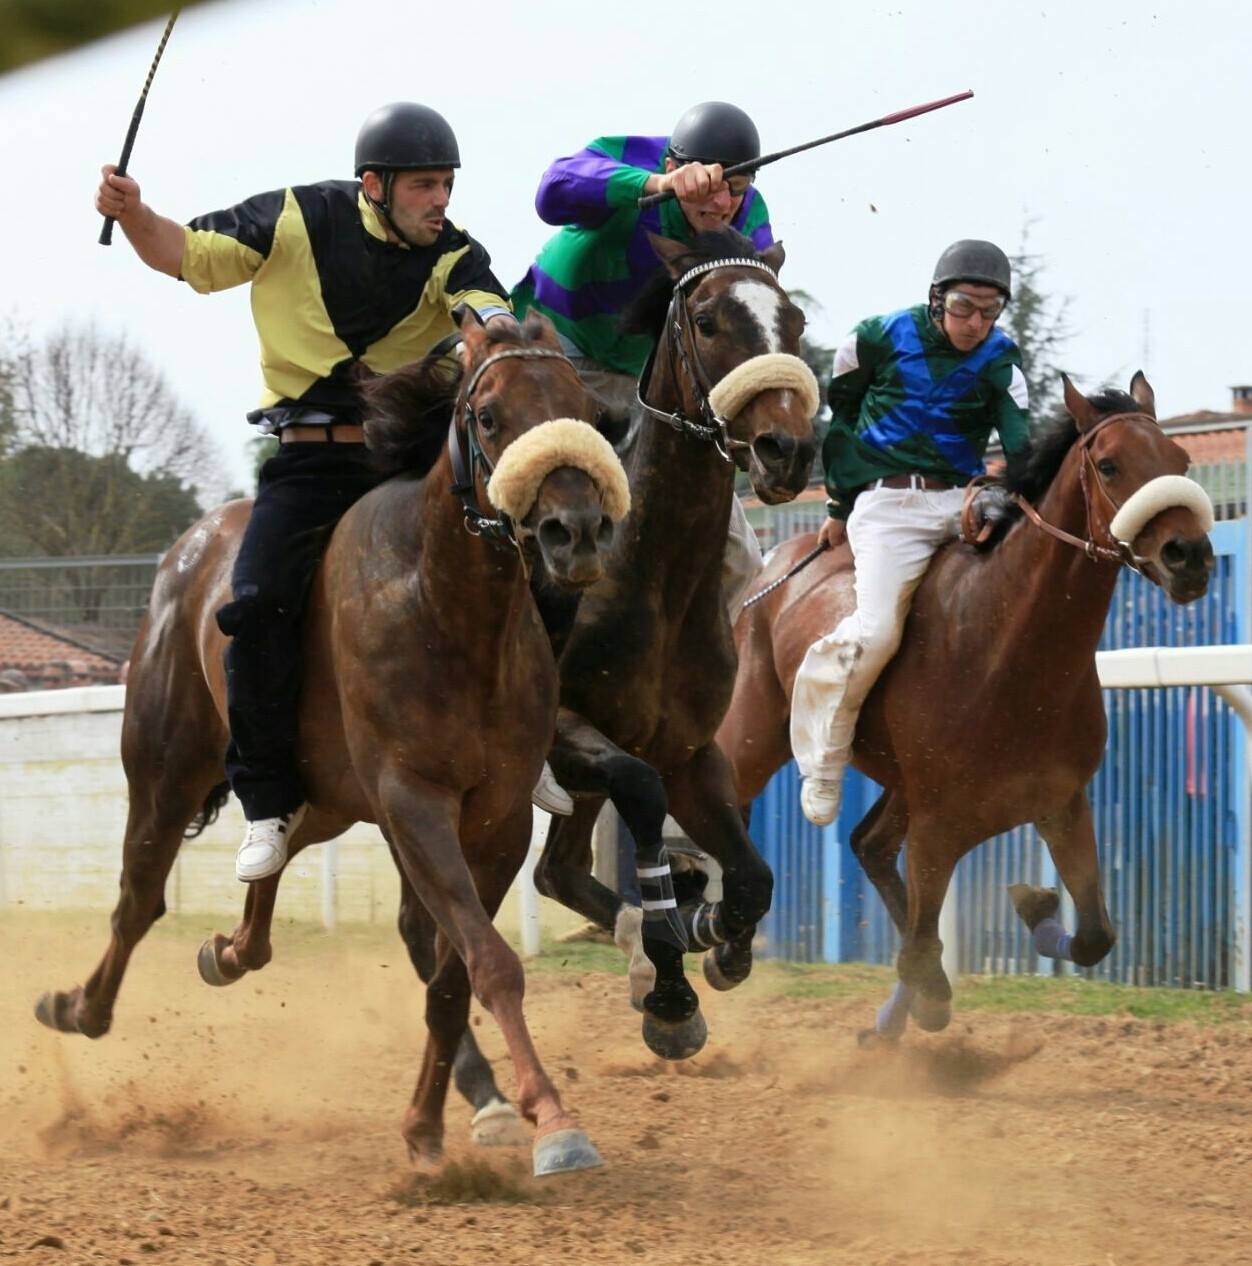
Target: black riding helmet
{"type": "Point", "coordinates": [973, 260]}
{"type": "Point", "coordinates": [714, 132]}
{"type": "Point", "coordinates": [405, 136]}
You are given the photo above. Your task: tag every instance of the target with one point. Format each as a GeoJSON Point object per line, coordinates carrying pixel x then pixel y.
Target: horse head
{"type": "Point", "coordinates": [1137, 495]}
{"type": "Point", "coordinates": [510, 412]}
{"type": "Point", "coordinates": [730, 346]}
{"type": "Point", "coordinates": [553, 477]}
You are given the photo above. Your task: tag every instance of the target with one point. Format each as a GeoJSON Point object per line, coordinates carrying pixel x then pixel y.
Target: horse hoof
{"type": "Point", "coordinates": [675, 1039]}
{"type": "Point", "coordinates": [720, 981]}
{"type": "Point", "coordinates": [209, 962]}
{"type": "Point", "coordinates": [53, 1011]}
{"type": "Point", "coordinates": [563, 1152]}
{"type": "Point", "coordinates": [499, 1125]}
{"type": "Point", "coordinates": [1034, 904]}
{"type": "Point", "coordinates": [930, 1014]}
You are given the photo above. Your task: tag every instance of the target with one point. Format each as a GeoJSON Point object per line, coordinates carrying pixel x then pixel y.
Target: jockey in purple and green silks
{"type": "Point", "coordinates": [590, 271]}
{"type": "Point", "coordinates": [587, 275]}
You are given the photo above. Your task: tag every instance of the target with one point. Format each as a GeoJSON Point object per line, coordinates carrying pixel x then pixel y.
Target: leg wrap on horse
{"type": "Point", "coordinates": [893, 1015]}
{"type": "Point", "coordinates": [1052, 940]}
{"type": "Point", "coordinates": [705, 925]}
{"type": "Point", "coordinates": [661, 920]}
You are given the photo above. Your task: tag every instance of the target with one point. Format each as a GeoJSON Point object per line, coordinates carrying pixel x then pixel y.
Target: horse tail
{"type": "Point", "coordinates": [213, 804]}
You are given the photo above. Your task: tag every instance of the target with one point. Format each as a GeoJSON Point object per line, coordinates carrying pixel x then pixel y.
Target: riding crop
{"type": "Point", "coordinates": [754, 164]}
{"type": "Point", "coordinates": [106, 233]}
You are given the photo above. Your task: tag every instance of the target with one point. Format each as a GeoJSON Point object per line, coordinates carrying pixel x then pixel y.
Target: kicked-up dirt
{"type": "Point", "coordinates": [259, 1125]}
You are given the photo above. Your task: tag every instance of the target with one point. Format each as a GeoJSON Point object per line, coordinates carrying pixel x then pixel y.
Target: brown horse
{"type": "Point", "coordinates": [430, 691]}
{"type": "Point", "coordinates": [990, 714]}
{"type": "Point", "coordinates": [648, 662]}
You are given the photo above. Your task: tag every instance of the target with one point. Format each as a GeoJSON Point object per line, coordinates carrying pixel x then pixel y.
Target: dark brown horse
{"type": "Point", "coordinates": [990, 714]}
{"type": "Point", "coordinates": [430, 695]}
{"type": "Point", "coordinates": [648, 664]}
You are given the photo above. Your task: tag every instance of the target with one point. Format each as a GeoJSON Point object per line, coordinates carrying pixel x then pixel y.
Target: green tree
{"type": "Point", "coordinates": [99, 456]}
{"type": "Point", "coordinates": [1039, 324]}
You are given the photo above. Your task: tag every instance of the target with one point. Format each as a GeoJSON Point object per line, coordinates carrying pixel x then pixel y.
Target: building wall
{"type": "Point", "coordinates": [63, 814]}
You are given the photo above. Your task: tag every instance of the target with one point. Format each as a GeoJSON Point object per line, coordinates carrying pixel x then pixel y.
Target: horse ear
{"type": "Point", "coordinates": [670, 253]}
{"type": "Point", "coordinates": [774, 256]}
{"type": "Point", "coordinates": [1077, 405]}
{"type": "Point", "coordinates": [1142, 394]}
{"type": "Point", "coordinates": [473, 331]}
{"type": "Point", "coordinates": [538, 328]}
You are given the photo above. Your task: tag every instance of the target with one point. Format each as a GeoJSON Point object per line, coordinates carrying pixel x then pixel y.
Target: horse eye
{"type": "Point", "coordinates": [486, 423]}
{"type": "Point", "coordinates": [1106, 467]}
{"type": "Point", "coordinates": [706, 325]}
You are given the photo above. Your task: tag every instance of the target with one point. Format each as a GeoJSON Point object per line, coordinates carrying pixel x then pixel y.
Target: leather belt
{"type": "Point", "coordinates": [913, 481]}
{"type": "Point", "coordinates": [331, 433]}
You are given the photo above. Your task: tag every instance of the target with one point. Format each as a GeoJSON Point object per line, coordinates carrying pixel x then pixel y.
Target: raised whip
{"type": "Point", "coordinates": [106, 233]}
{"type": "Point", "coordinates": [782, 580]}
{"type": "Point", "coordinates": [752, 164]}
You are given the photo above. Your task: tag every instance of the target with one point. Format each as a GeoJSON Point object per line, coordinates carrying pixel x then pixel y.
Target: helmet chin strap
{"type": "Point", "coordinates": [383, 208]}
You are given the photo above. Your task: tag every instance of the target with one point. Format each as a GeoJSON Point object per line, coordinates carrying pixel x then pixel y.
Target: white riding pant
{"type": "Point", "coordinates": [894, 533]}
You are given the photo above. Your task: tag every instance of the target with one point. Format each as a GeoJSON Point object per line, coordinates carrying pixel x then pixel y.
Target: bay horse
{"type": "Point", "coordinates": [990, 714]}
{"type": "Point", "coordinates": [647, 662]}
{"type": "Point", "coordinates": [430, 691]}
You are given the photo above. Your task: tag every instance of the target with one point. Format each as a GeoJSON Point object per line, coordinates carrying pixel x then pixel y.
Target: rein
{"type": "Point", "coordinates": [1121, 551]}
{"type": "Point", "coordinates": [713, 427]}
{"type": "Point", "coordinates": [500, 530]}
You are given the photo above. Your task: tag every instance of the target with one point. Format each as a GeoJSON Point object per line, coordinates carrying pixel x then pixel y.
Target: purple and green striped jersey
{"type": "Point", "coordinates": [590, 271]}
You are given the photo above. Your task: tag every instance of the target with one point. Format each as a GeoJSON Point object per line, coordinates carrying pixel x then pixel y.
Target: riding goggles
{"type": "Point", "coordinates": [958, 304]}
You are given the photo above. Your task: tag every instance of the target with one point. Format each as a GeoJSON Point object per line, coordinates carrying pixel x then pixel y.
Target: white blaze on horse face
{"type": "Point", "coordinates": [764, 303]}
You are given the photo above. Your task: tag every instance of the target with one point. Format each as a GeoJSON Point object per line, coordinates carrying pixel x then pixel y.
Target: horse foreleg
{"type": "Point", "coordinates": [653, 938]}
{"type": "Point", "coordinates": [704, 802]}
{"type": "Point", "coordinates": [422, 822]}
{"type": "Point", "coordinates": [1070, 836]}
{"type": "Point", "coordinates": [925, 989]}
{"type": "Point", "coordinates": [495, 1122]}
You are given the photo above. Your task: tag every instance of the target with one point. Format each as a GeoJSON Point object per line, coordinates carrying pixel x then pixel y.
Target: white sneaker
{"type": "Point", "coordinates": [264, 848]}
{"type": "Point", "coordinates": [550, 796]}
{"type": "Point", "coordinates": [820, 799]}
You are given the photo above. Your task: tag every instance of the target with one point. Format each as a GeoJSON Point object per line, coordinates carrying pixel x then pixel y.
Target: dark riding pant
{"type": "Point", "coordinates": [303, 491]}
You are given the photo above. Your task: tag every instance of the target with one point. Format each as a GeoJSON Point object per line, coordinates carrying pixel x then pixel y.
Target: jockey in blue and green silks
{"type": "Point", "coordinates": [915, 398]}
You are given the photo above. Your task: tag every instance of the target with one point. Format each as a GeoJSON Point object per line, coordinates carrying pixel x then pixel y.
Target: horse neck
{"type": "Point", "coordinates": [1061, 597]}
{"type": "Point", "coordinates": [681, 487]}
{"type": "Point", "coordinates": [468, 585]}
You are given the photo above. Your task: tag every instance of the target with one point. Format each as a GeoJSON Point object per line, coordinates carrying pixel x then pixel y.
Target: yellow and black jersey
{"type": "Point", "coordinates": [329, 291]}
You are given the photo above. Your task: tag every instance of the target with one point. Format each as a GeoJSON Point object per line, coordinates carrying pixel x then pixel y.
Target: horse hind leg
{"type": "Point", "coordinates": [496, 1122]}
{"type": "Point", "coordinates": [156, 825]}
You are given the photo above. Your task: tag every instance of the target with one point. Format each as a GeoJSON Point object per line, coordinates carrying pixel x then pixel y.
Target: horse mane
{"type": "Point", "coordinates": [1050, 441]}
{"type": "Point", "coordinates": [645, 314]}
{"type": "Point", "coordinates": [407, 411]}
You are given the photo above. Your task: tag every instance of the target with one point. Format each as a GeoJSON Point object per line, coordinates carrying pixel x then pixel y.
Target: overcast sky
{"type": "Point", "coordinates": [1120, 129]}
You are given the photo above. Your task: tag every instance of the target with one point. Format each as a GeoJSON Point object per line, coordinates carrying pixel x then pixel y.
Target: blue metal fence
{"type": "Point", "coordinates": [1170, 804]}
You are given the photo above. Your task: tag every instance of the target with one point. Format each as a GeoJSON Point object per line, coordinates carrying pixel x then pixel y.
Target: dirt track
{"type": "Point", "coordinates": [258, 1125]}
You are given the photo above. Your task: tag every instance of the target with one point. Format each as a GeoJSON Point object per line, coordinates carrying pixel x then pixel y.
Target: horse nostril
{"type": "Point", "coordinates": [604, 536]}
{"type": "Point", "coordinates": [771, 450]}
{"type": "Point", "coordinates": [553, 534]}
{"type": "Point", "coordinates": [1174, 552]}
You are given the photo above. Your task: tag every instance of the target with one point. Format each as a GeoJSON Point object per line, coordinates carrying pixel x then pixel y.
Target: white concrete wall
{"type": "Point", "coordinates": [63, 813]}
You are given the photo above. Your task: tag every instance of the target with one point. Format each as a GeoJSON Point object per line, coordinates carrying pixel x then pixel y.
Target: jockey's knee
{"type": "Point", "coordinates": [253, 611]}
{"type": "Point", "coordinates": [877, 643]}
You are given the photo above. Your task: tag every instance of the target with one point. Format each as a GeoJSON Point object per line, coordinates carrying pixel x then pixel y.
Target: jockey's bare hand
{"type": "Point", "coordinates": [694, 182]}
{"type": "Point", "coordinates": [117, 196]}
{"type": "Point", "coordinates": [833, 533]}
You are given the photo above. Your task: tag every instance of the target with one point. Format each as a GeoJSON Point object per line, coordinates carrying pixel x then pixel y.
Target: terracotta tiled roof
{"type": "Point", "coordinates": [37, 657]}
{"type": "Point", "coordinates": [1212, 447]}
